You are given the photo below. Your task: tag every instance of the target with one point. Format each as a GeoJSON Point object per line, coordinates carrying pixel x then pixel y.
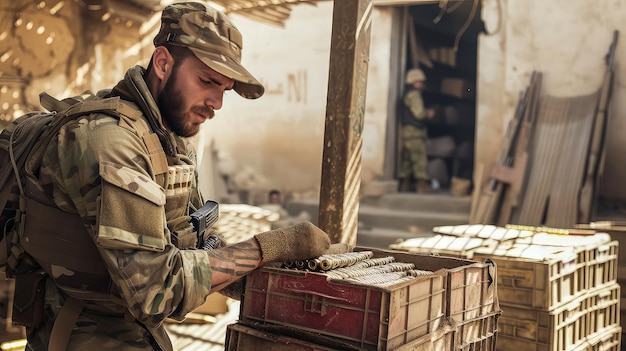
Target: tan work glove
{"type": "Point", "coordinates": [296, 242]}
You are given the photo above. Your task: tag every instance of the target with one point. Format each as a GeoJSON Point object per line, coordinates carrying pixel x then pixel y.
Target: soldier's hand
{"type": "Point", "coordinates": [430, 113]}
{"type": "Point", "coordinates": [296, 242]}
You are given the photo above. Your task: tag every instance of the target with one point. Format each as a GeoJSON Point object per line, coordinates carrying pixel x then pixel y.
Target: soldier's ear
{"type": "Point", "coordinates": [162, 62]}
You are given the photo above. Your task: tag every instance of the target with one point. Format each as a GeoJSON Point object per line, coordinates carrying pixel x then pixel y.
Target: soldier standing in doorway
{"type": "Point", "coordinates": [413, 134]}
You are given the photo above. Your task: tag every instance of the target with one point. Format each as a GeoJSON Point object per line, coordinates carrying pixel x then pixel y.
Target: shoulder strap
{"type": "Point", "coordinates": [79, 107]}
{"type": "Point", "coordinates": [64, 323]}
{"type": "Point", "coordinates": [51, 103]}
{"type": "Point", "coordinates": [132, 116]}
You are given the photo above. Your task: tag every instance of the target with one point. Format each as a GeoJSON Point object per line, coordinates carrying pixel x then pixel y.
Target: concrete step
{"type": "Point", "coordinates": [381, 217]}
{"type": "Point", "coordinates": [395, 217]}
{"type": "Point", "coordinates": [439, 202]}
{"type": "Point", "coordinates": [381, 238]}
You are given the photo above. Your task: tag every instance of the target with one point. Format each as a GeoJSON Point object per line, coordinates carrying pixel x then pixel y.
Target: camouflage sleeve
{"type": "Point", "coordinates": [413, 100]}
{"type": "Point", "coordinates": [104, 170]}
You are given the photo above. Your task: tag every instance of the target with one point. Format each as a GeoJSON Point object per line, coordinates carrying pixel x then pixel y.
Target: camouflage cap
{"type": "Point", "coordinates": [212, 37]}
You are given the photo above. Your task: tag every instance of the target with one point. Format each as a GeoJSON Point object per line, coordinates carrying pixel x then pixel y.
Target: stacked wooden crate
{"type": "Point", "coordinates": [617, 230]}
{"type": "Point", "coordinates": [557, 292]}
{"type": "Point", "coordinates": [454, 307]}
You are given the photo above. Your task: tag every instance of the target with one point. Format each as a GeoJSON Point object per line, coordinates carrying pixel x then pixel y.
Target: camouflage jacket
{"type": "Point", "coordinates": [413, 100]}
{"type": "Point", "coordinates": [101, 170]}
{"type": "Point", "coordinates": [413, 111]}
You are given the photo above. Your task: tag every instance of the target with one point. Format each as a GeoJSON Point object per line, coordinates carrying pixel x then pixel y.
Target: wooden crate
{"type": "Point", "coordinates": [536, 276]}
{"type": "Point", "coordinates": [471, 292]}
{"type": "Point", "coordinates": [477, 333]}
{"type": "Point", "coordinates": [440, 339]}
{"type": "Point", "coordinates": [603, 308]}
{"type": "Point", "coordinates": [616, 231]}
{"type": "Point", "coordinates": [444, 245]}
{"type": "Point", "coordinates": [379, 318]}
{"type": "Point", "coordinates": [562, 329]}
{"type": "Point", "coordinates": [608, 340]}
{"type": "Point", "coordinates": [602, 263]}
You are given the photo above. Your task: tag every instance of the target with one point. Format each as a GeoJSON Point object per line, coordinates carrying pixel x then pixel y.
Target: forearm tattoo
{"type": "Point", "coordinates": [232, 262]}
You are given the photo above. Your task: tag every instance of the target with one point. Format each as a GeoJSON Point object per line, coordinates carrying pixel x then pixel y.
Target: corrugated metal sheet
{"type": "Point", "coordinates": [274, 12]}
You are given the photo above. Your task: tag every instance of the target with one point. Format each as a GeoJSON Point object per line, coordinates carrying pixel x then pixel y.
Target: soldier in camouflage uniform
{"type": "Point", "coordinates": [413, 134]}
{"type": "Point", "coordinates": [116, 191]}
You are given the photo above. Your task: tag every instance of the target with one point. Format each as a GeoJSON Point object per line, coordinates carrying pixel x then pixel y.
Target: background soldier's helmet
{"type": "Point", "coordinates": [415, 75]}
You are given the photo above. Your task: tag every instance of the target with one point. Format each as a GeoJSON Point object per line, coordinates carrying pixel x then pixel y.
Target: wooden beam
{"type": "Point", "coordinates": [345, 111]}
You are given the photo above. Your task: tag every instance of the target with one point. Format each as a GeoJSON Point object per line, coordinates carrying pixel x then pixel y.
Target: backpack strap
{"type": "Point", "coordinates": [88, 103]}
{"type": "Point", "coordinates": [64, 324]}
{"type": "Point", "coordinates": [51, 103]}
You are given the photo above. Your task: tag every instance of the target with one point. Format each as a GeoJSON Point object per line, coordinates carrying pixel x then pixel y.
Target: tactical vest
{"type": "Point", "coordinates": [45, 237]}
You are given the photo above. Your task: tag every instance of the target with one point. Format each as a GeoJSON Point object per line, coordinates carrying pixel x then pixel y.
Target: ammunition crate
{"type": "Point", "coordinates": [471, 335]}
{"type": "Point", "coordinates": [476, 334]}
{"type": "Point", "coordinates": [470, 292]}
{"type": "Point", "coordinates": [445, 245]}
{"type": "Point", "coordinates": [608, 340]}
{"type": "Point", "coordinates": [240, 337]}
{"type": "Point", "coordinates": [536, 276]}
{"type": "Point", "coordinates": [370, 317]}
{"type": "Point", "coordinates": [603, 309]}
{"type": "Point", "coordinates": [482, 332]}
{"type": "Point", "coordinates": [602, 264]}
{"type": "Point", "coordinates": [615, 230]}
{"type": "Point", "coordinates": [567, 327]}
{"type": "Point", "coordinates": [440, 339]}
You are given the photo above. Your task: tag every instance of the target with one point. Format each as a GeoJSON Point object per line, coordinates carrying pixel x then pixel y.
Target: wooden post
{"type": "Point", "coordinates": [345, 111]}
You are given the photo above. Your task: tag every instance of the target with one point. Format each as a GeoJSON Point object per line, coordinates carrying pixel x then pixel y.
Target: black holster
{"type": "Point", "coordinates": [29, 299]}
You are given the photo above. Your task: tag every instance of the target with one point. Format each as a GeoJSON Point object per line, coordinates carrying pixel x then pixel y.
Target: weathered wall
{"type": "Point", "coordinates": [273, 142]}
{"type": "Point", "coordinates": [276, 141]}
{"type": "Point", "coordinates": [566, 40]}
{"type": "Point", "coordinates": [61, 48]}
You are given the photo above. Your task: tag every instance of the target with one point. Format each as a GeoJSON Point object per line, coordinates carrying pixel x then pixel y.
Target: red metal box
{"type": "Point", "coordinates": [369, 317]}
{"type": "Point", "coordinates": [240, 337]}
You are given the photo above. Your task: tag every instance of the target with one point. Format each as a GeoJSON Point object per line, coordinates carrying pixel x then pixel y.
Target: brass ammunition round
{"type": "Point", "coordinates": [334, 261]}
{"type": "Point", "coordinates": [314, 264]}
{"type": "Point", "coordinates": [417, 272]}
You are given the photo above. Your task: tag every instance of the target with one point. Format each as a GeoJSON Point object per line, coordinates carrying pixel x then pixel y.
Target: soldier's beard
{"type": "Point", "coordinates": [171, 102]}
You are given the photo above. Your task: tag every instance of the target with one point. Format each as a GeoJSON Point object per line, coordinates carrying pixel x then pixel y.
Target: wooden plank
{"type": "Point", "coordinates": [597, 152]}
{"type": "Point", "coordinates": [512, 194]}
{"type": "Point", "coordinates": [490, 198]}
{"type": "Point", "coordinates": [345, 111]}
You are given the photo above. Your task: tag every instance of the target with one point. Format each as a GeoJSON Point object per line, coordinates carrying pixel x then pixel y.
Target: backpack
{"type": "Point", "coordinates": [26, 139]}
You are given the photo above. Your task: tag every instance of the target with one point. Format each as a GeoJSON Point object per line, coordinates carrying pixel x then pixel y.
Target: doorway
{"type": "Point", "coordinates": [441, 39]}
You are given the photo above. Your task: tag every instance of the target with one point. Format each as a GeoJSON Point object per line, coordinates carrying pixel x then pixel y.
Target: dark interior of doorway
{"type": "Point", "coordinates": [444, 45]}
